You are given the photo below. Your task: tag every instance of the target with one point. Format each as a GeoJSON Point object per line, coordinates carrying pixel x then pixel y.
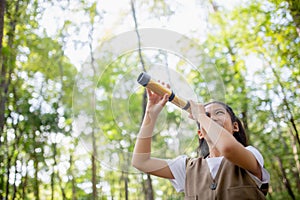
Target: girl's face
{"type": "Point", "coordinates": [219, 114]}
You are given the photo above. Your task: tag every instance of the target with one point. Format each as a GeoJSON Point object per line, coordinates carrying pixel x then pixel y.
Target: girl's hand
{"type": "Point", "coordinates": [155, 102]}
{"type": "Point", "coordinates": [197, 110]}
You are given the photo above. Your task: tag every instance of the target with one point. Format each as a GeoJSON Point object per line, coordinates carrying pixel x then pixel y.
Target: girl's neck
{"type": "Point", "coordinates": [214, 153]}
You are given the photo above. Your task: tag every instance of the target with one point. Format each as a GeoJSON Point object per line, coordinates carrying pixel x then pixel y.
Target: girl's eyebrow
{"type": "Point", "coordinates": [219, 109]}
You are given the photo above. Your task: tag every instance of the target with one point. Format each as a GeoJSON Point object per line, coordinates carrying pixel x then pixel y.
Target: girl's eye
{"type": "Point", "coordinates": [220, 112]}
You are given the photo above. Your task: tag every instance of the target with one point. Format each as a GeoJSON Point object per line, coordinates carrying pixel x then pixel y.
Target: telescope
{"type": "Point", "coordinates": [145, 80]}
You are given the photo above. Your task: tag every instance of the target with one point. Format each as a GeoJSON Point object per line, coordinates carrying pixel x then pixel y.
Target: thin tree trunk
{"type": "Point", "coordinates": [11, 157]}
{"type": "Point", "coordinates": [137, 34]}
{"type": "Point", "coordinates": [7, 175]}
{"type": "Point", "coordinates": [36, 180]}
{"type": "Point", "coordinates": [15, 178]}
{"type": "Point", "coordinates": [285, 179]}
{"type": "Point", "coordinates": [15, 153]}
{"type": "Point", "coordinates": [94, 147]}
{"type": "Point", "coordinates": [149, 188]}
{"type": "Point", "coordinates": [125, 178]}
{"type": "Point", "coordinates": [24, 184]}
{"type": "Point", "coordinates": [6, 71]}
{"type": "Point", "coordinates": [18, 135]}
{"type": "Point", "coordinates": [150, 195]}
{"type": "Point", "coordinates": [144, 188]}
{"type": "Point", "coordinates": [2, 12]}
{"type": "Point", "coordinates": [214, 5]}
{"type": "Point", "coordinates": [62, 189]}
{"type": "Point", "coordinates": [294, 7]}
{"type": "Point", "coordinates": [57, 174]}
{"type": "Point", "coordinates": [286, 103]}
{"type": "Point", "coordinates": [94, 171]}
{"type": "Point", "coordinates": [52, 184]}
{"type": "Point", "coordinates": [273, 166]}
{"type": "Point", "coordinates": [60, 98]}
{"type": "Point", "coordinates": [94, 150]}
{"type": "Point", "coordinates": [296, 158]}
{"type": "Point", "coordinates": [53, 171]}
{"type": "Point", "coordinates": [36, 190]}
{"type": "Point", "coordinates": [2, 76]}
{"type": "Point", "coordinates": [73, 178]}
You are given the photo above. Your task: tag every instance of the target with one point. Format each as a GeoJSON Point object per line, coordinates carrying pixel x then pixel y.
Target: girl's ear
{"type": "Point", "coordinates": [235, 127]}
{"type": "Point", "coordinates": [200, 135]}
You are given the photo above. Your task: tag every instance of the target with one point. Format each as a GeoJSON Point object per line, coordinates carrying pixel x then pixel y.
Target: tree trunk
{"type": "Point", "coordinates": [94, 147]}
{"type": "Point", "coordinates": [24, 184]}
{"type": "Point", "coordinates": [53, 170]}
{"type": "Point", "coordinates": [3, 72]}
{"type": "Point", "coordinates": [285, 179]}
{"type": "Point", "coordinates": [73, 178]}
{"type": "Point", "coordinates": [287, 105]}
{"type": "Point", "coordinates": [94, 174]}
{"type": "Point", "coordinates": [15, 178]}
{"type": "Point", "coordinates": [52, 183]}
{"type": "Point", "coordinates": [7, 176]}
{"type": "Point", "coordinates": [149, 187]}
{"type": "Point", "coordinates": [144, 189]}
{"type": "Point", "coordinates": [2, 11]}
{"type": "Point", "coordinates": [36, 180]}
{"type": "Point", "coordinates": [294, 8]}
{"type": "Point", "coordinates": [54, 147]}
{"type": "Point", "coordinates": [62, 189]}
{"type": "Point", "coordinates": [296, 158]}
{"type": "Point", "coordinates": [126, 185]}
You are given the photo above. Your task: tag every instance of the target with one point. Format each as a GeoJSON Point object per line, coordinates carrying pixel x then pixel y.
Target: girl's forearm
{"type": "Point", "coordinates": [147, 127]}
{"type": "Point", "coordinates": [219, 137]}
{"type": "Point", "coordinates": [141, 158]}
{"type": "Point", "coordinates": [142, 148]}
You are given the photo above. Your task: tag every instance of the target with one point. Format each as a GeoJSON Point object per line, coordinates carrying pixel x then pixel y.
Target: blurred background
{"type": "Point", "coordinates": [70, 105]}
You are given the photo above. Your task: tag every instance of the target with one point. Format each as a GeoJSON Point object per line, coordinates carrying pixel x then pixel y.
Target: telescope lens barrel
{"type": "Point", "coordinates": [143, 79]}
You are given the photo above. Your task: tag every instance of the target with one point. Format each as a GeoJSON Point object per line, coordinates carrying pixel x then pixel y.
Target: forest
{"type": "Point", "coordinates": [71, 107]}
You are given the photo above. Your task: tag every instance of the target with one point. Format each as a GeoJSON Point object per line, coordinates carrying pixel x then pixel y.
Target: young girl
{"type": "Point", "coordinates": [227, 168]}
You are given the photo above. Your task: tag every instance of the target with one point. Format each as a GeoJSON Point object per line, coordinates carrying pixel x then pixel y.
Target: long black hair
{"type": "Point", "coordinates": [203, 149]}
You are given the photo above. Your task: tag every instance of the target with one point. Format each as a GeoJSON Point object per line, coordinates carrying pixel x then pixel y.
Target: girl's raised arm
{"type": "Point", "coordinates": [141, 158]}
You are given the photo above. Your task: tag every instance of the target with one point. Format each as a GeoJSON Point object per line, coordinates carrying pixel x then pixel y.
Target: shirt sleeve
{"type": "Point", "coordinates": [260, 160]}
{"type": "Point", "coordinates": [177, 167]}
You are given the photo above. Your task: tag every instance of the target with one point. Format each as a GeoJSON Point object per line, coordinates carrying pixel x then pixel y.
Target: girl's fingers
{"type": "Point", "coordinates": [191, 116]}
{"type": "Point", "coordinates": [149, 92]}
{"type": "Point", "coordinates": [165, 99]}
{"type": "Point", "coordinates": [196, 109]}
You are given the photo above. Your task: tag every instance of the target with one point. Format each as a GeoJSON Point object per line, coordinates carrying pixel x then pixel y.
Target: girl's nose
{"type": "Point", "coordinates": [214, 118]}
